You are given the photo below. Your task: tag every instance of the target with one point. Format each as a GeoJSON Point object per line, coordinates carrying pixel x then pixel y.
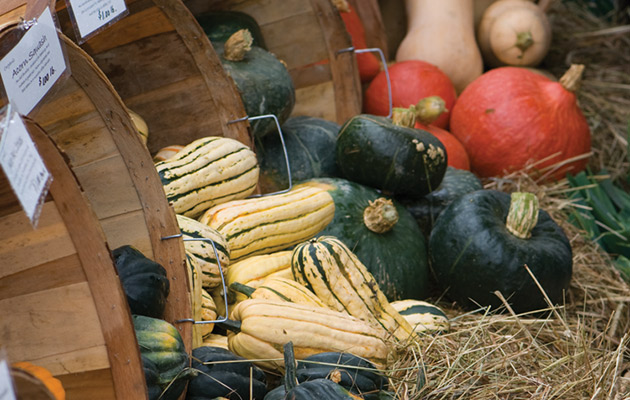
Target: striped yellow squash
{"type": "Point", "coordinates": [422, 316]}
{"type": "Point", "coordinates": [209, 171]}
{"type": "Point", "coordinates": [252, 271]}
{"type": "Point", "coordinates": [280, 289]}
{"type": "Point", "coordinates": [201, 253]}
{"type": "Point", "coordinates": [267, 224]}
{"type": "Point", "coordinates": [258, 329]}
{"type": "Point", "coordinates": [333, 272]}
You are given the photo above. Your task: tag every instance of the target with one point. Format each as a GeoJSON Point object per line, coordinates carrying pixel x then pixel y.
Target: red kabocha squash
{"type": "Point", "coordinates": [411, 81]}
{"type": "Point", "coordinates": [511, 118]}
{"type": "Point", "coordinates": [368, 63]}
{"type": "Point", "coordinates": [427, 111]}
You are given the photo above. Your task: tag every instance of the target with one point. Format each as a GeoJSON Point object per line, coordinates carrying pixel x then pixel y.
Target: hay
{"type": "Point", "coordinates": [579, 350]}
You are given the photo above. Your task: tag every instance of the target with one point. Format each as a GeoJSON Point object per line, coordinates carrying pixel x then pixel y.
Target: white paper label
{"type": "Point", "coordinates": [6, 383]}
{"type": "Point", "coordinates": [23, 167]}
{"type": "Point", "coordinates": [90, 15]}
{"type": "Point", "coordinates": [33, 66]}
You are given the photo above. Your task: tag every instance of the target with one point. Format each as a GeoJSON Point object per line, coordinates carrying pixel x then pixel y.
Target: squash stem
{"type": "Point", "coordinates": [524, 41]}
{"type": "Point", "coordinates": [290, 366]}
{"type": "Point", "coordinates": [244, 289]}
{"type": "Point", "coordinates": [380, 215]}
{"type": "Point", "coordinates": [429, 109]}
{"type": "Point", "coordinates": [405, 117]}
{"type": "Point", "coordinates": [231, 325]}
{"type": "Point", "coordinates": [238, 45]}
{"type": "Point", "coordinates": [572, 78]}
{"type": "Point", "coordinates": [523, 214]}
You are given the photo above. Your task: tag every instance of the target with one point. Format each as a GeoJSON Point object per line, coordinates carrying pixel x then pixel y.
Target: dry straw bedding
{"type": "Point", "coordinates": [580, 350]}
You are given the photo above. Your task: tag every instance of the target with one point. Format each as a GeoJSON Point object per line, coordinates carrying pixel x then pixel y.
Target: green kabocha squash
{"type": "Point", "coordinates": [224, 374]}
{"type": "Point", "coordinates": [391, 155]}
{"type": "Point", "coordinates": [308, 141]}
{"type": "Point", "coordinates": [483, 241]}
{"type": "Point", "coordinates": [161, 344]}
{"type": "Point", "coordinates": [144, 281]}
{"type": "Point", "coordinates": [262, 80]}
{"type": "Point", "coordinates": [455, 183]}
{"type": "Point", "coordinates": [356, 374]}
{"type": "Point", "coordinates": [382, 234]}
{"type": "Point", "coordinates": [219, 25]}
{"type": "Point", "coordinates": [316, 389]}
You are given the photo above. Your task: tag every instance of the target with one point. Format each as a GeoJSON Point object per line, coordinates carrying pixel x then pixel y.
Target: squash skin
{"type": "Point", "coordinates": [220, 378]}
{"type": "Point", "coordinates": [308, 141]}
{"type": "Point", "coordinates": [511, 115]}
{"type": "Point", "coordinates": [473, 254]}
{"type": "Point", "coordinates": [397, 259]}
{"type": "Point", "coordinates": [144, 281]}
{"type": "Point", "coordinates": [265, 87]}
{"type": "Point", "coordinates": [219, 25]}
{"type": "Point", "coordinates": [371, 150]}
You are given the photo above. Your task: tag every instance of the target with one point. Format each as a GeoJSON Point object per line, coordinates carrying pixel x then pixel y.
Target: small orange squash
{"type": "Point", "coordinates": [52, 384]}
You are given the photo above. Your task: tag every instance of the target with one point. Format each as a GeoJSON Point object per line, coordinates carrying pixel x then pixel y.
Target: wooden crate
{"type": "Point", "coordinates": [61, 301]}
{"type": "Point", "coordinates": [88, 121]}
{"type": "Point", "coordinates": [307, 35]}
{"type": "Point", "coordinates": [165, 69]}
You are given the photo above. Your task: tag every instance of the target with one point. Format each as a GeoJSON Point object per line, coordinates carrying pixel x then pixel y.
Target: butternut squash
{"type": "Point", "coordinates": [515, 33]}
{"type": "Point", "coordinates": [442, 33]}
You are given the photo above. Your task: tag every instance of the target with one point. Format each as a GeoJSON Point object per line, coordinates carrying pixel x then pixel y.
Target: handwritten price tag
{"type": "Point", "coordinates": [91, 15]}
{"type": "Point", "coordinates": [33, 66]}
{"type": "Point", "coordinates": [23, 166]}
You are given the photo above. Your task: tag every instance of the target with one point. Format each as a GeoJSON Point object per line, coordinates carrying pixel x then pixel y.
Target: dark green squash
{"type": "Point", "coordinates": [151, 376]}
{"type": "Point", "coordinates": [309, 142]}
{"type": "Point", "coordinates": [356, 374]}
{"type": "Point", "coordinates": [481, 243]}
{"type": "Point", "coordinates": [316, 389]}
{"type": "Point", "coordinates": [397, 258]}
{"type": "Point", "coordinates": [455, 183]}
{"type": "Point", "coordinates": [144, 281]}
{"type": "Point", "coordinates": [219, 25]}
{"type": "Point", "coordinates": [220, 378]}
{"type": "Point", "coordinates": [392, 157]}
{"type": "Point", "coordinates": [263, 81]}
{"type": "Point", "coordinates": [161, 345]}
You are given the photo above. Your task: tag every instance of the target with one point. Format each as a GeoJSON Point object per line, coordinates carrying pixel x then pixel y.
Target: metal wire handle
{"type": "Point", "coordinates": [284, 149]}
{"type": "Point", "coordinates": [216, 255]}
{"type": "Point", "coordinates": [385, 69]}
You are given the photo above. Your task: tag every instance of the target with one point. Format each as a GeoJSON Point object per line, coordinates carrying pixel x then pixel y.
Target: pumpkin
{"type": "Point", "coordinates": [483, 242]}
{"type": "Point", "coordinates": [427, 110]}
{"type": "Point", "coordinates": [160, 343]}
{"type": "Point", "coordinates": [356, 374]}
{"type": "Point", "coordinates": [328, 268]}
{"type": "Point", "coordinates": [308, 141]}
{"type": "Point", "coordinates": [390, 155]}
{"type": "Point", "coordinates": [514, 32]}
{"type": "Point", "coordinates": [224, 374]}
{"type": "Point", "coordinates": [511, 117]}
{"type": "Point", "coordinates": [411, 81]}
{"type": "Point", "coordinates": [291, 388]}
{"type": "Point", "coordinates": [54, 385]}
{"type": "Point", "coordinates": [456, 182]}
{"type": "Point", "coordinates": [262, 80]}
{"type": "Point", "coordinates": [144, 281]}
{"type": "Point", "coordinates": [394, 251]}
{"type": "Point", "coordinates": [443, 34]}
{"type": "Point", "coordinates": [369, 64]}
{"type": "Point", "coordinates": [219, 25]}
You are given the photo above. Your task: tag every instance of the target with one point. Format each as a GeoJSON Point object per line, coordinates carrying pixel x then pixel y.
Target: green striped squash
{"type": "Point", "coordinates": [206, 172]}
{"type": "Point", "coordinates": [201, 253]}
{"type": "Point", "coordinates": [263, 225]}
{"type": "Point", "coordinates": [422, 316]}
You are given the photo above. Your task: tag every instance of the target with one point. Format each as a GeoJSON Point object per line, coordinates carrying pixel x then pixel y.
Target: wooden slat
{"type": "Point", "coordinates": [315, 101]}
{"type": "Point", "coordinates": [128, 229]}
{"type": "Point", "coordinates": [92, 385]}
{"type": "Point", "coordinates": [370, 14]}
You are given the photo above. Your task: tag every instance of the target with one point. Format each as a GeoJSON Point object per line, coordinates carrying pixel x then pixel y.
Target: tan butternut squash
{"type": "Point", "coordinates": [442, 33]}
{"type": "Point", "coordinates": [514, 32]}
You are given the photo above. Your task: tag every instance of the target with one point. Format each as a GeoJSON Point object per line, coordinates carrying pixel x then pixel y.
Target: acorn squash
{"type": "Point", "coordinates": [482, 242]}
{"type": "Point", "coordinates": [395, 254]}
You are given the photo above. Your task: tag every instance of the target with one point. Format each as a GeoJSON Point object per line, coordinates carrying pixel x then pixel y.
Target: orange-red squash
{"type": "Point", "coordinates": [411, 81]}
{"type": "Point", "coordinates": [511, 117]}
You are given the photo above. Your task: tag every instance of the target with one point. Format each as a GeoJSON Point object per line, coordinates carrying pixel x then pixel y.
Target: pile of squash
{"type": "Point", "coordinates": [326, 240]}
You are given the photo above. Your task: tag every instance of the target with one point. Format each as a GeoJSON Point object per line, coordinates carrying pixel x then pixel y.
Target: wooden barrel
{"type": "Point", "coordinates": [370, 13]}
{"type": "Point", "coordinates": [62, 304]}
{"type": "Point", "coordinates": [308, 36]}
{"type": "Point", "coordinates": [165, 69]}
{"type": "Point", "coordinates": [88, 121]}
